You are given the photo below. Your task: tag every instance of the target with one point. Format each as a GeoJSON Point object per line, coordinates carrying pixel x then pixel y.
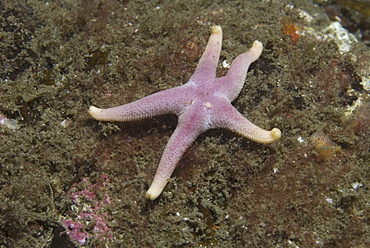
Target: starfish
{"type": "Point", "coordinates": [203, 103]}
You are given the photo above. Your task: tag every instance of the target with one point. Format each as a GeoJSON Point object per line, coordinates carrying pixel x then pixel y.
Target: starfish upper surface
{"type": "Point", "coordinates": [203, 103]}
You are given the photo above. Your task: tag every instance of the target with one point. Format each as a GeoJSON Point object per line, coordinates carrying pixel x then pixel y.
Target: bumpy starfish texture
{"type": "Point", "coordinates": [203, 103]}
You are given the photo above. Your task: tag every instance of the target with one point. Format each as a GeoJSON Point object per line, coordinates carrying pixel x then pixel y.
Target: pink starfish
{"type": "Point", "coordinates": [203, 103]}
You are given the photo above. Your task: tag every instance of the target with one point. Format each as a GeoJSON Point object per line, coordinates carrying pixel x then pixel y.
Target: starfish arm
{"type": "Point", "coordinates": [236, 122]}
{"type": "Point", "coordinates": [206, 69]}
{"type": "Point", "coordinates": [188, 129]}
{"type": "Point", "coordinates": [233, 82]}
{"type": "Point", "coordinates": [160, 103]}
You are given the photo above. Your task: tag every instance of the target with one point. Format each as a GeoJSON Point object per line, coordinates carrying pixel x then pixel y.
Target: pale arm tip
{"type": "Point", "coordinates": [275, 134]}
{"type": "Point", "coordinates": [257, 45]}
{"type": "Point", "coordinates": [256, 50]}
{"type": "Point", "coordinates": [216, 29]}
{"type": "Point", "coordinates": [94, 111]}
{"type": "Point", "coordinates": [153, 193]}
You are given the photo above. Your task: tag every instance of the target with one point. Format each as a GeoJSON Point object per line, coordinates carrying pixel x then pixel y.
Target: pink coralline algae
{"type": "Point", "coordinates": [76, 231]}
{"type": "Point", "coordinates": [87, 218]}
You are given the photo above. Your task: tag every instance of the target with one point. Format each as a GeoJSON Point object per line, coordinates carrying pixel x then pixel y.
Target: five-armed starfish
{"type": "Point", "coordinates": [203, 103]}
